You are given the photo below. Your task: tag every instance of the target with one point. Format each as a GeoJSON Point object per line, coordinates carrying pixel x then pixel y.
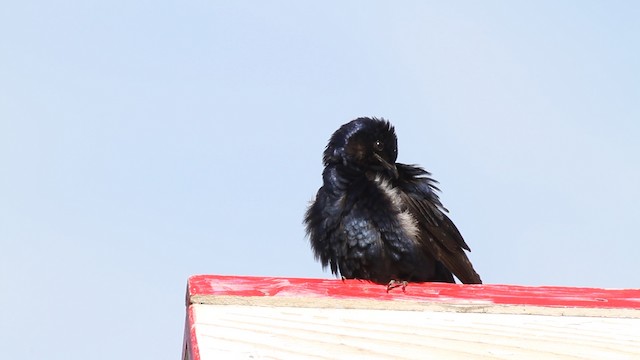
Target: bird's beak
{"type": "Point", "coordinates": [388, 166]}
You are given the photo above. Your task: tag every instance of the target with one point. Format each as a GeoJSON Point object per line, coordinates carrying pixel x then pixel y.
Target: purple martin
{"type": "Point", "coordinates": [378, 220]}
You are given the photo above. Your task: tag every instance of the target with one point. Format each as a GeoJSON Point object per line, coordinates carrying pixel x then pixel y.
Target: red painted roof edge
{"type": "Point", "coordinates": [547, 296]}
{"type": "Point", "coordinates": [190, 347]}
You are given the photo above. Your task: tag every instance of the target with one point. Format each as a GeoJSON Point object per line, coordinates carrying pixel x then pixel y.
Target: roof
{"type": "Point", "coordinates": [274, 317]}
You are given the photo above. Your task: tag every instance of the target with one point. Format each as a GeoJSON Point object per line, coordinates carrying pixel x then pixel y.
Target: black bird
{"type": "Point", "coordinates": [378, 220]}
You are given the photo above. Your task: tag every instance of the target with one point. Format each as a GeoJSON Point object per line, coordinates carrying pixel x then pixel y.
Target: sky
{"type": "Point", "coordinates": [142, 142]}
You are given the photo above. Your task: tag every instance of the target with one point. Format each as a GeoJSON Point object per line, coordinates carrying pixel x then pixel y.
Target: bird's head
{"type": "Point", "coordinates": [365, 144]}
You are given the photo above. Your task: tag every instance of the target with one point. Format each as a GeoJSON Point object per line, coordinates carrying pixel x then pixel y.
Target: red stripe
{"type": "Point", "coordinates": [190, 341]}
{"type": "Point", "coordinates": [551, 296]}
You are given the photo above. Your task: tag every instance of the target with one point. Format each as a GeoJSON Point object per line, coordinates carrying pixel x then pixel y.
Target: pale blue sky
{"type": "Point", "coordinates": [142, 142]}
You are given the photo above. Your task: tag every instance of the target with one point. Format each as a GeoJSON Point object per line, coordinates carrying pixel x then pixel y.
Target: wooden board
{"type": "Point", "coordinates": [275, 318]}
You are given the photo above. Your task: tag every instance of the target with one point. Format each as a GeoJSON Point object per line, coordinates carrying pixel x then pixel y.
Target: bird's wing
{"type": "Point", "coordinates": [438, 234]}
{"type": "Point", "coordinates": [323, 219]}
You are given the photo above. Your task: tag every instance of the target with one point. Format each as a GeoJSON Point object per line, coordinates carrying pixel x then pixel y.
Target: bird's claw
{"type": "Point", "coordinates": [396, 283]}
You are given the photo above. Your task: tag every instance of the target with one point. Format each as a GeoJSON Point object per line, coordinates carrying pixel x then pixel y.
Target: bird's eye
{"type": "Point", "coordinates": [378, 145]}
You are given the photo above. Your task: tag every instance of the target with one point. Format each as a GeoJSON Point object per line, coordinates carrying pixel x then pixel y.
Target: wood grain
{"type": "Point", "coordinates": [256, 332]}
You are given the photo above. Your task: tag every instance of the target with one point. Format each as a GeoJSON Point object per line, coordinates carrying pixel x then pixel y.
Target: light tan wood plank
{"type": "Point", "coordinates": [264, 332]}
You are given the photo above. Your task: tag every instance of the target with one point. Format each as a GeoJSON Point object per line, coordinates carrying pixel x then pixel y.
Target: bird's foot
{"type": "Point", "coordinates": [396, 283]}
